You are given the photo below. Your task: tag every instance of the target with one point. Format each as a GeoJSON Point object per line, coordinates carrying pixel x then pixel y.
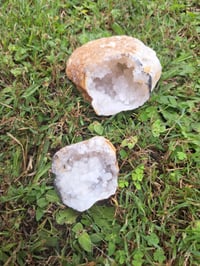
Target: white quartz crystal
{"type": "Point", "coordinates": [119, 84]}
{"type": "Point", "coordinates": [86, 172]}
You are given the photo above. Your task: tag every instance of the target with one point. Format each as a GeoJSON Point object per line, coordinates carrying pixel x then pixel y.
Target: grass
{"type": "Point", "coordinates": [154, 218]}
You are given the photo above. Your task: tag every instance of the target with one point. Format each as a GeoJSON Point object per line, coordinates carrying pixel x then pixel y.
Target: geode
{"type": "Point", "coordinates": [86, 172]}
{"type": "Point", "coordinates": [115, 73]}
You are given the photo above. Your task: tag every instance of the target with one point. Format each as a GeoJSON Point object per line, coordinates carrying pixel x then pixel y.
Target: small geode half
{"type": "Point", "coordinates": [115, 73]}
{"type": "Point", "coordinates": [86, 172]}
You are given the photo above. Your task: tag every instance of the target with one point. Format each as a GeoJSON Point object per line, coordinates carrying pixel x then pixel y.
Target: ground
{"type": "Point", "coordinates": [154, 218]}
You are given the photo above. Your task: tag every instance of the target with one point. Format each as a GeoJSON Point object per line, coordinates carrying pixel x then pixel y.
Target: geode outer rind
{"type": "Point", "coordinates": [86, 172]}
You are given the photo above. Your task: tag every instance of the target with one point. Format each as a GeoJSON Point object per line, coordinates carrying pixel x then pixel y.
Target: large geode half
{"type": "Point", "coordinates": [115, 73]}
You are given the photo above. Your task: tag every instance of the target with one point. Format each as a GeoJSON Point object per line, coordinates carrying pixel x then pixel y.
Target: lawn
{"type": "Point", "coordinates": [154, 218]}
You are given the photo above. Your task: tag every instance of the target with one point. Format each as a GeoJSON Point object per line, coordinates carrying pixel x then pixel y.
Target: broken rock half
{"type": "Point", "coordinates": [115, 73]}
{"type": "Point", "coordinates": [86, 172]}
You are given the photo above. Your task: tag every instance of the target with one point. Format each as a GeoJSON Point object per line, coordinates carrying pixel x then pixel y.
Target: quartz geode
{"type": "Point", "coordinates": [86, 172]}
{"type": "Point", "coordinates": [115, 73]}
